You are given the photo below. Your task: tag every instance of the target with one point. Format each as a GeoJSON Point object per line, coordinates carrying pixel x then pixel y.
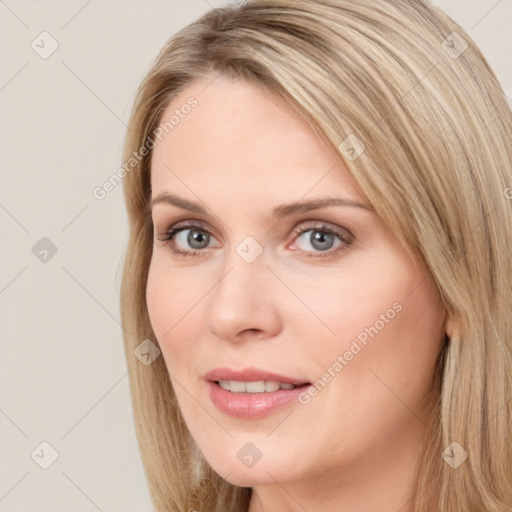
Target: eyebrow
{"type": "Point", "coordinates": [279, 212]}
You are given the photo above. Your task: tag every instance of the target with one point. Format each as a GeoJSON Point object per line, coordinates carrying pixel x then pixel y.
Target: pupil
{"type": "Point", "coordinates": [197, 236]}
{"type": "Point", "coordinates": [321, 236]}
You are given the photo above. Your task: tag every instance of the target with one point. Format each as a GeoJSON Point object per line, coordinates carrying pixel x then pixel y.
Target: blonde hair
{"type": "Point", "coordinates": [405, 80]}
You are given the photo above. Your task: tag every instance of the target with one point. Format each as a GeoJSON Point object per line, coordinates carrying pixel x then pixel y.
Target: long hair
{"type": "Point", "coordinates": [411, 105]}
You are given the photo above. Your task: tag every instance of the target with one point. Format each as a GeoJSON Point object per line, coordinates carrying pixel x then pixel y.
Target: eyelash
{"type": "Point", "coordinates": [170, 233]}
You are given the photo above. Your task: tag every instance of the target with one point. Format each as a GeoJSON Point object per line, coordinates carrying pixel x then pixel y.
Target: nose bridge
{"type": "Point", "coordinates": [244, 271]}
{"type": "Point", "coordinates": [241, 299]}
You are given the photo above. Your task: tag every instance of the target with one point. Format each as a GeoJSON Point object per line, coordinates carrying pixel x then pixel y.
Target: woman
{"type": "Point", "coordinates": [320, 235]}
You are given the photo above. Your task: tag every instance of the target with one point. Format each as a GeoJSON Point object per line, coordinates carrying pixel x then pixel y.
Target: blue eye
{"type": "Point", "coordinates": [320, 239]}
{"type": "Point", "coordinates": [198, 238]}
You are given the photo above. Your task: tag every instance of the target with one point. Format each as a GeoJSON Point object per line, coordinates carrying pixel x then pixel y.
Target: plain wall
{"type": "Point", "coordinates": [63, 119]}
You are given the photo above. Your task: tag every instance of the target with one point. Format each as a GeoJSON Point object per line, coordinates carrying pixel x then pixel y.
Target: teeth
{"type": "Point", "coordinates": [236, 387]}
{"type": "Point", "coordinates": [270, 386]}
{"type": "Point", "coordinates": [224, 384]}
{"type": "Point", "coordinates": [260, 386]}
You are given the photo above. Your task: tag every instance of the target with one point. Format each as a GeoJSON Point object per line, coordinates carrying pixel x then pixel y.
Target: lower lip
{"type": "Point", "coordinates": [252, 405]}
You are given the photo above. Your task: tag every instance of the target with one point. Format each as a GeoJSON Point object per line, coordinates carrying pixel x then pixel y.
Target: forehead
{"type": "Point", "coordinates": [238, 140]}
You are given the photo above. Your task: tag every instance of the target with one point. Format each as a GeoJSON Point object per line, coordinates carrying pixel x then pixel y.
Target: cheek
{"type": "Point", "coordinates": [173, 313]}
{"type": "Point", "coordinates": [396, 362]}
{"type": "Point", "coordinates": [160, 300]}
{"type": "Point", "coordinates": [349, 304]}
{"type": "Point", "coordinates": [387, 318]}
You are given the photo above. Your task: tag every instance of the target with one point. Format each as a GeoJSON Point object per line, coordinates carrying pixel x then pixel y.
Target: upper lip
{"type": "Point", "coordinates": [250, 375]}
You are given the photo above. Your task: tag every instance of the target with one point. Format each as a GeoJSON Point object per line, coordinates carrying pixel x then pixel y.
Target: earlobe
{"type": "Point", "coordinates": [453, 327]}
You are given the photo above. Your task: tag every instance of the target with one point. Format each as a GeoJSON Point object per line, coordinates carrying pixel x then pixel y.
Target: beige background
{"type": "Point", "coordinates": [63, 374]}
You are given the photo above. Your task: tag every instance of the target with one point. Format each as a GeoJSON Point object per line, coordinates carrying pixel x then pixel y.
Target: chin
{"type": "Point", "coordinates": [272, 466]}
{"type": "Point", "coordinates": [249, 477]}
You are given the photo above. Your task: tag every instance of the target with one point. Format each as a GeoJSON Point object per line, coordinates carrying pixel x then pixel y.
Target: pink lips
{"type": "Point", "coordinates": [251, 405]}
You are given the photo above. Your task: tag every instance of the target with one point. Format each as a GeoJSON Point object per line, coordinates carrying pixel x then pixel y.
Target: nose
{"type": "Point", "coordinates": [244, 303]}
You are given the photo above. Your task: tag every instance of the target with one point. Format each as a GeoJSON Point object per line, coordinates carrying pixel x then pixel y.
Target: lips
{"type": "Point", "coordinates": [252, 393]}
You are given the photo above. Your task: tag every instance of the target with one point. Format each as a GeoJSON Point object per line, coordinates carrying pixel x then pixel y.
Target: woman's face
{"type": "Point", "coordinates": [322, 299]}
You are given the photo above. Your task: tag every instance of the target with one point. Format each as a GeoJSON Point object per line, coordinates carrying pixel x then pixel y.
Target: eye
{"type": "Point", "coordinates": [187, 235]}
{"type": "Point", "coordinates": [191, 239]}
{"type": "Point", "coordinates": [323, 240]}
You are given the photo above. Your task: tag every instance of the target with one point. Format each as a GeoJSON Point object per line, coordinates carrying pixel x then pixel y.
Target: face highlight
{"type": "Point", "coordinates": [248, 295]}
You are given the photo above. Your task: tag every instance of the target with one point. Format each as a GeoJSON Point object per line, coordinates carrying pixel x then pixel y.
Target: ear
{"type": "Point", "coordinates": [453, 326]}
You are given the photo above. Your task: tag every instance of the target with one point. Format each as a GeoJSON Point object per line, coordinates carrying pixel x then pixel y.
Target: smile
{"type": "Point", "coordinates": [252, 393]}
{"type": "Point", "coordinates": [258, 386]}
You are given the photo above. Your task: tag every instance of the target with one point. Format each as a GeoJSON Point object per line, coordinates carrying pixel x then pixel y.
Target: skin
{"type": "Point", "coordinates": [354, 446]}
